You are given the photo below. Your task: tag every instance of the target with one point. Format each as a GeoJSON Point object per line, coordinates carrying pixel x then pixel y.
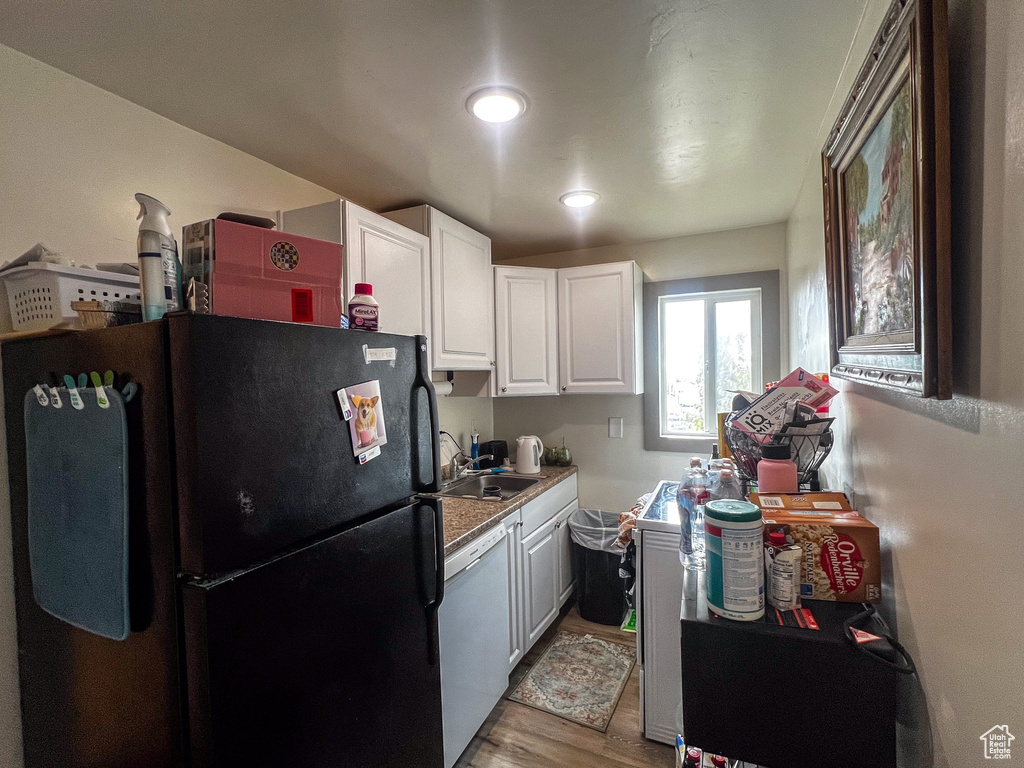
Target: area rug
{"type": "Point", "coordinates": [578, 678]}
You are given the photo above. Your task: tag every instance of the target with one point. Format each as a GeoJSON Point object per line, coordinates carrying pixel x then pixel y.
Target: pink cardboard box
{"type": "Point", "coordinates": [264, 273]}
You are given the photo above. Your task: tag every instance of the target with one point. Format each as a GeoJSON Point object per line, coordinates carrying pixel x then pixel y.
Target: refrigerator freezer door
{"type": "Point", "coordinates": [264, 458]}
{"type": "Point", "coordinates": [324, 656]}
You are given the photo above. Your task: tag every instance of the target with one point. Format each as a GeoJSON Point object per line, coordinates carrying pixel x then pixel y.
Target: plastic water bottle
{"type": "Point", "coordinates": [727, 487]}
{"type": "Point", "coordinates": [692, 494]}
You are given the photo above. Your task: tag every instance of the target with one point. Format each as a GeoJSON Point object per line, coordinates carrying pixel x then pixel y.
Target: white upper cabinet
{"type": "Point", "coordinates": [600, 329]}
{"type": "Point", "coordinates": [526, 331]}
{"type": "Point", "coordinates": [462, 289]}
{"type": "Point", "coordinates": [391, 257]}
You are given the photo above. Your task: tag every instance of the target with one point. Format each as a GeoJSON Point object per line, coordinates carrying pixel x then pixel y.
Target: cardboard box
{"type": "Point", "coordinates": [841, 549]}
{"type": "Point", "coordinates": [820, 501]}
{"type": "Point", "coordinates": [264, 273]}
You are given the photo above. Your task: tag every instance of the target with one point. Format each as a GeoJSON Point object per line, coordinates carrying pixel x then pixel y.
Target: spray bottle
{"type": "Point", "coordinates": [159, 268]}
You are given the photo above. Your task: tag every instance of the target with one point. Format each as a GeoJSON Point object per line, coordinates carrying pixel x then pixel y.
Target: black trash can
{"type": "Point", "coordinates": [600, 592]}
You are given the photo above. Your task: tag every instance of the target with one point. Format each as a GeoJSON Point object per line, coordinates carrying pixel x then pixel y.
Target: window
{"type": "Point", "coordinates": [709, 343]}
{"type": "Point", "coordinates": [705, 337]}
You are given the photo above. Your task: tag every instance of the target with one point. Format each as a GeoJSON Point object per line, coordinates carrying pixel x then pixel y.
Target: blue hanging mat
{"type": "Point", "coordinates": [78, 509]}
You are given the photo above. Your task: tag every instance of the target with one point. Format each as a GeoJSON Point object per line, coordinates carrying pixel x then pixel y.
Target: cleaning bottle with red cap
{"type": "Point", "coordinates": [363, 309]}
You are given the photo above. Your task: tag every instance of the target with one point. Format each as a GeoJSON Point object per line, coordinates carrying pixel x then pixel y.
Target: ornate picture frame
{"type": "Point", "coordinates": [885, 172]}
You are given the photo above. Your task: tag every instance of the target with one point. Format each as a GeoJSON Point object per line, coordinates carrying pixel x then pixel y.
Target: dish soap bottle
{"type": "Point", "coordinates": [363, 310]}
{"type": "Point", "coordinates": [159, 268]}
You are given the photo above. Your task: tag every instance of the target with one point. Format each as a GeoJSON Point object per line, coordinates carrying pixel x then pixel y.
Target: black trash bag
{"type": "Point", "coordinates": [600, 591]}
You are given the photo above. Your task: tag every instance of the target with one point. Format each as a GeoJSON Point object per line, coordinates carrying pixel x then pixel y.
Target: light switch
{"type": "Point", "coordinates": [614, 426]}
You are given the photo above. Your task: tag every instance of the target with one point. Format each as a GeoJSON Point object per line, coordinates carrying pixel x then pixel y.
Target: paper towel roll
{"type": "Point", "coordinates": [443, 388]}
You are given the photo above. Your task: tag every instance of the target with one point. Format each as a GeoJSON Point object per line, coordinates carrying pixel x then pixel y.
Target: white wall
{"type": "Point", "coordinates": [71, 158]}
{"type": "Point", "coordinates": [458, 415]}
{"type": "Point", "coordinates": [941, 479]}
{"type": "Point", "coordinates": [615, 471]}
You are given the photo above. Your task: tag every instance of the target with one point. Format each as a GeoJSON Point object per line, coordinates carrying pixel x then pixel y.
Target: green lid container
{"type": "Point", "coordinates": [732, 511]}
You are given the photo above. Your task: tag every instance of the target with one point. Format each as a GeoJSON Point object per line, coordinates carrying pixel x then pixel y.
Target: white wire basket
{"type": "Point", "coordinates": [39, 295]}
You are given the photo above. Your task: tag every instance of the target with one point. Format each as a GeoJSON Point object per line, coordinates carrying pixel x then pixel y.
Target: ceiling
{"type": "Point", "coordinates": [687, 116]}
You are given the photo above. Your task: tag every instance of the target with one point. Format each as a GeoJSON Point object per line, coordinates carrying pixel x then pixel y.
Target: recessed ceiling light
{"type": "Point", "coordinates": [496, 105]}
{"type": "Point", "coordinates": [581, 198]}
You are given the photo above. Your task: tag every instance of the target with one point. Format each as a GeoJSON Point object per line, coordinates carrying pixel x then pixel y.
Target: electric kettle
{"type": "Point", "coordinates": [528, 451]}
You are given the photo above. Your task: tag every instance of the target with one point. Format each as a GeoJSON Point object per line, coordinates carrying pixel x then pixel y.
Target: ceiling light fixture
{"type": "Point", "coordinates": [496, 105]}
{"type": "Point", "coordinates": [581, 198]}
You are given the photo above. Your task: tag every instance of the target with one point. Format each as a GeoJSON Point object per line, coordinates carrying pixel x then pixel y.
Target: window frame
{"type": "Point", "coordinates": [654, 293]}
{"type": "Point", "coordinates": [711, 299]}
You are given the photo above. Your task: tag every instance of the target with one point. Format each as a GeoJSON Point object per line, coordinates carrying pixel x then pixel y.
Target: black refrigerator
{"type": "Point", "coordinates": [283, 596]}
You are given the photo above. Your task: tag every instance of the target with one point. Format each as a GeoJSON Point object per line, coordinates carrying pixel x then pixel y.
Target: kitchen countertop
{"type": "Point", "coordinates": [466, 519]}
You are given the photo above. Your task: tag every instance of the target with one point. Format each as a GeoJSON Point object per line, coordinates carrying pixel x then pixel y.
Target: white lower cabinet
{"type": "Point", "coordinates": [563, 543]}
{"type": "Point", "coordinates": [545, 558]}
{"type": "Point", "coordinates": [540, 583]}
{"type": "Point", "coordinates": [514, 539]}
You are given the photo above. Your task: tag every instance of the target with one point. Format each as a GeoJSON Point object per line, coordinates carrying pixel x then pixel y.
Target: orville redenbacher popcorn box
{"type": "Point", "coordinates": [841, 554]}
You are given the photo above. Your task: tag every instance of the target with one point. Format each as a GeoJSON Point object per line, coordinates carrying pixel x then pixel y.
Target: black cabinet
{"type": "Point", "coordinates": [784, 697]}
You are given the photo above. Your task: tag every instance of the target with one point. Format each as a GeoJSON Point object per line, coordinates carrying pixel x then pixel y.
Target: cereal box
{"type": "Point", "coordinates": [841, 555]}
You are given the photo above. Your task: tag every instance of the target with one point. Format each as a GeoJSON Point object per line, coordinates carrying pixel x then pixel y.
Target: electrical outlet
{"type": "Point", "coordinates": [614, 426]}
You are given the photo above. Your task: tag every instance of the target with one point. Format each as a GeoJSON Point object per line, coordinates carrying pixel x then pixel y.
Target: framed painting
{"type": "Point", "coordinates": [887, 208]}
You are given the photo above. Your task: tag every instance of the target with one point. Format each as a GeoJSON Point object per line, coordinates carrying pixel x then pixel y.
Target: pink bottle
{"type": "Point", "coordinates": [776, 472]}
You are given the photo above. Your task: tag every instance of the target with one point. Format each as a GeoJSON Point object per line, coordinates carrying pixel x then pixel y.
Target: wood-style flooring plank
{"type": "Point", "coordinates": [515, 736]}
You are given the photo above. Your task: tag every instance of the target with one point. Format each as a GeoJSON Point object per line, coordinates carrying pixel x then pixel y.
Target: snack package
{"type": "Point", "coordinates": [818, 501]}
{"type": "Point", "coordinates": [841, 559]}
{"type": "Point", "coordinates": [767, 414]}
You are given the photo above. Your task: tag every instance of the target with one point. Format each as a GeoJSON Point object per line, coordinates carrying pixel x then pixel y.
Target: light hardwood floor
{"type": "Point", "coordinates": [515, 736]}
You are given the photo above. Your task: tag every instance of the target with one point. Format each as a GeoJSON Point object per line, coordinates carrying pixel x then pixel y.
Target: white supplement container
{"type": "Point", "coordinates": [363, 310]}
{"type": "Point", "coordinates": [784, 578]}
{"type": "Point", "coordinates": [735, 559]}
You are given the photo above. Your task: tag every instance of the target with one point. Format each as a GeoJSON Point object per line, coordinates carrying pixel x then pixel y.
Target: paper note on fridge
{"type": "Point", "coordinates": [766, 415]}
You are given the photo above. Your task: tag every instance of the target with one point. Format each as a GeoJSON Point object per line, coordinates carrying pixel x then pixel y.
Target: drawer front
{"type": "Point", "coordinates": [548, 504]}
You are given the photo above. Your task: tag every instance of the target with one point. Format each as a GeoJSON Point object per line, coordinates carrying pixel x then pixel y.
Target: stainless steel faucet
{"type": "Point", "coordinates": [457, 468]}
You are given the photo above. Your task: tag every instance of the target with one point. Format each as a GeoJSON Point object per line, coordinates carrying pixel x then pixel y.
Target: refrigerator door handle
{"type": "Point", "coordinates": [434, 505]}
{"type": "Point", "coordinates": [423, 382]}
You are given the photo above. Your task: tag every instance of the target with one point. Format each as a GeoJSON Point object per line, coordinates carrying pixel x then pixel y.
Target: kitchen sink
{"type": "Point", "coordinates": [489, 487]}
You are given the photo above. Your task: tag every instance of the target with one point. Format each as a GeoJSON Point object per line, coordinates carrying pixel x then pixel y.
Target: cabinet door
{"type": "Point", "coordinates": [463, 295]}
{"type": "Point", "coordinates": [392, 257]}
{"type": "Point", "coordinates": [515, 592]}
{"type": "Point", "coordinates": [396, 261]}
{"type": "Point", "coordinates": [526, 331]}
{"type": "Point", "coordinates": [661, 592]}
{"type": "Point", "coordinates": [540, 583]}
{"type": "Point", "coordinates": [563, 541]}
{"type": "Point", "coordinates": [599, 329]}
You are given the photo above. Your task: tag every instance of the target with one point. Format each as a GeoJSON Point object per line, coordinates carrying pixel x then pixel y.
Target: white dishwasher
{"type": "Point", "coordinates": [473, 629]}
